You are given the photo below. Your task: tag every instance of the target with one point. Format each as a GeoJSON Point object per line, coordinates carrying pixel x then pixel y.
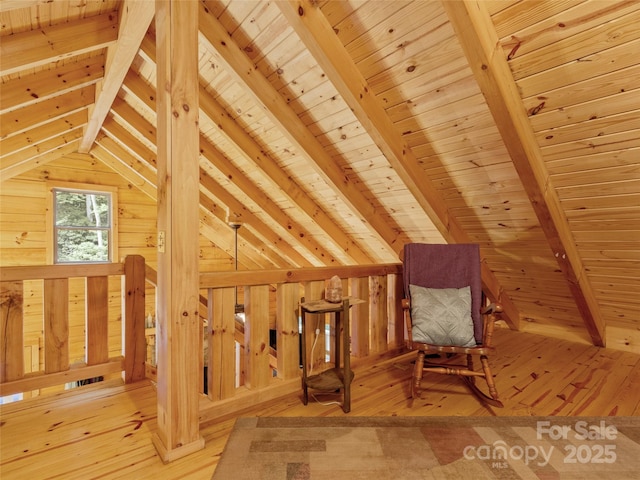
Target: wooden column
{"type": "Point", "coordinates": [178, 323]}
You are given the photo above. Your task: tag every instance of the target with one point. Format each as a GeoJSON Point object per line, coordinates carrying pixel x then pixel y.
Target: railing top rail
{"type": "Point", "coordinates": [276, 276]}
{"type": "Point", "coordinates": [37, 272]}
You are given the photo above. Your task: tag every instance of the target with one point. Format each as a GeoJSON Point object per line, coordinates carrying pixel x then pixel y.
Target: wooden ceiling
{"type": "Point", "coordinates": [338, 131]}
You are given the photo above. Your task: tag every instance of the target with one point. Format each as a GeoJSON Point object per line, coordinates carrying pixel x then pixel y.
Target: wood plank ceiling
{"type": "Point", "coordinates": [337, 131]}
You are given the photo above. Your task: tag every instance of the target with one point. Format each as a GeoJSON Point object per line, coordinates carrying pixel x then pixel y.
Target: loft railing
{"type": "Point", "coordinates": [71, 301]}
{"type": "Point", "coordinates": [247, 366]}
{"type": "Point", "coordinates": [249, 360]}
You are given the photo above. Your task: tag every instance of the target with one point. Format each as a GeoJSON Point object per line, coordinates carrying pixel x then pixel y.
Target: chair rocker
{"type": "Point", "coordinates": [444, 314]}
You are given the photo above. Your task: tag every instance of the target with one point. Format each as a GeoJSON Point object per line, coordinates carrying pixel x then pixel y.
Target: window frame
{"type": "Point", "coordinates": [83, 188]}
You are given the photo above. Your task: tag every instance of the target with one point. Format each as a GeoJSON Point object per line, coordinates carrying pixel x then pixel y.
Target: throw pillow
{"type": "Point", "coordinates": [442, 316]}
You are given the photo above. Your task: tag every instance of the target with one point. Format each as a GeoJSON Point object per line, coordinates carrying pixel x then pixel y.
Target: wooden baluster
{"type": "Point", "coordinates": [379, 320]}
{"type": "Point", "coordinates": [256, 331]}
{"type": "Point", "coordinates": [314, 290]}
{"type": "Point", "coordinates": [288, 335]}
{"type": "Point", "coordinates": [11, 331]}
{"type": "Point", "coordinates": [360, 318]}
{"type": "Point", "coordinates": [134, 307]}
{"type": "Point", "coordinates": [56, 325]}
{"type": "Point", "coordinates": [97, 314]}
{"type": "Point", "coordinates": [221, 369]}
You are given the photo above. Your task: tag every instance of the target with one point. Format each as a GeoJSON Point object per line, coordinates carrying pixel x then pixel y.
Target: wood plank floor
{"type": "Point", "coordinates": [106, 432]}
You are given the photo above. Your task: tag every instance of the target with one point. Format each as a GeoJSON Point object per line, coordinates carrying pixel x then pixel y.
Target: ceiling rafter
{"type": "Point", "coordinates": [33, 137]}
{"type": "Point", "coordinates": [281, 114]}
{"type": "Point", "coordinates": [53, 155]}
{"type": "Point", "coordinates": [254, 153]}
{"type": "Point", "coordinates": [135, 18]}
{"type": "Point", "coordinates": [297, 235]}
{"type": "Point", "coordinates": [50, 83]}
{"type": "Point", "coordinates": [31, 153]}
{"type": "Point", "coordinates": [244, 183]}
{"type": "Point", "coordinates": [137, 173]}
{"type": "Point", "coordinates": [252, 222]}
{"type": "Point", "coordinates": [51, 43]}
{"type": "Point", "coordinates": [262, 160]}
{"type": "Point", "coordinates": [215, 228]}
{"type": "Point", "coordinates": [306, 18]}
{"type": "Point", "coordinates": [32, 116]}
{"type": "Point", "coordinates": [476, 33]}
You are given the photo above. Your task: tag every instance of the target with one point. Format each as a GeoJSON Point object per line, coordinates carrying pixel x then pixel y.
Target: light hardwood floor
{"type": "Point", "coordinates": [102, 432]}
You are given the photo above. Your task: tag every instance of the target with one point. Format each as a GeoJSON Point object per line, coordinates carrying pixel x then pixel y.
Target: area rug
{"type": "Point", "coordinates": [406, 448]}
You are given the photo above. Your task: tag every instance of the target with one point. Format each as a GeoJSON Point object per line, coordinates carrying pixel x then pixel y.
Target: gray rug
{"type": "Point", "coordinates": [406, 448]}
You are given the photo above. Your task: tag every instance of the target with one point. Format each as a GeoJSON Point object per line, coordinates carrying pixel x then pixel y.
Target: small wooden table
{"type": "Point", "coordinates": [340, 376]}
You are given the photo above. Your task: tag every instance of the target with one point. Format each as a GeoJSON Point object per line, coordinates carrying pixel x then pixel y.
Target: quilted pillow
{"type": "Point", "coordinates": [442, 316]}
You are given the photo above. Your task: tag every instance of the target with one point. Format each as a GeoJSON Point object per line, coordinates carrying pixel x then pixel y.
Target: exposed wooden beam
{"type": "Point", "coordinates": [43, 85]}
{"type": "Point", "coordinates": [15, 170]}
{"type": "Point", "coordinates": [139, 179]}
{"type": "Point", "coordinates": [276, 108]}
{"type": "Point", "coordinates": [32, 137]}
{"type": "Point", "coordinates": [146, 173]}
{"type": "Point", "coordinates": [135, 18]}
{"type": "Point", "coordinates": [51, 43]}
{"type": "Point", "coordinates": [253, 254]}
{"type": "Point", "coordinates": [211, 108]}
{"type": "Point", "coordinates": [277, 249]}
{"type": "Point", "coordinates": [30, 154]}
{"type": "Point", "coordinates": [134, 118]}
{"type": "Point", "coordinates": [145, 165]}
{"type": "Point", "coordinates": [476, 33]}
{"type": "Point", "coordinates": [127, 139]}
{"type": "Point", "coordinates": [248, 188]}
{"type": "Point", "coordinates": [295, 235]}
{"type": "Point", "coordinates": [254, 153]}
{"type": "Point", "coordinates": [252, 221]}
{"type": "Point", "coordinates": [314, 30]}
{"type": "Point", "coordinates": [143, 176]}
{"type": "Point", "coordinates": [22, 119]}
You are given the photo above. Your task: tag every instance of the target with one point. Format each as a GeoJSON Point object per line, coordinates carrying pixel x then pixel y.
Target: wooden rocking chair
{"type": "Point", "coordinates": [444, 313]}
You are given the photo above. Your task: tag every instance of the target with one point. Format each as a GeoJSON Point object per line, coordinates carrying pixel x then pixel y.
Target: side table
{"type": "Point", "coordinates": [339, 377]}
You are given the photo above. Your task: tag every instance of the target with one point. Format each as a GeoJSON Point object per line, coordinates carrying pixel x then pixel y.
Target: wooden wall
{"type": "Point", "coordinates": [23, 241]}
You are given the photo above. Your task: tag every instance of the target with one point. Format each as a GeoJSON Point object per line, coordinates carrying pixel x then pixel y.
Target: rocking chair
{"type": "Point", "coordinates": [445, 314]}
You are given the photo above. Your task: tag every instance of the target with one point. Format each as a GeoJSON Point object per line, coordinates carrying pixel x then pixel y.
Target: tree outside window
{"type": "Point", "coordinates": [82, 226]}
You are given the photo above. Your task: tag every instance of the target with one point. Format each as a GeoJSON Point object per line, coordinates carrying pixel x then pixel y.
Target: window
{"type": "Point", "coordinates": [82, 225]}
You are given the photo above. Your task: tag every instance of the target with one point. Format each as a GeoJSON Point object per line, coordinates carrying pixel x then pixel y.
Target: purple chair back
{"type": "Point", "coordinates": [446, 266]}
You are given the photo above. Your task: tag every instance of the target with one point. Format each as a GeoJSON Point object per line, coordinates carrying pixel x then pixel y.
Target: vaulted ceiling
{"type": "Point", "coordinates": [338, 131]}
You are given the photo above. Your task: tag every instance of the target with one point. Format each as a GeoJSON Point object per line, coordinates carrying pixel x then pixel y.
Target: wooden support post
{"type": "Point", "coordinates": [56, 325]}
{"type": "Point", "coordinates": [11, 332]}
{"type": "Point", "coordinates": [97, 314]}
{"type": "Point", "coordinates": [287, 326]}
{"type": "Point", "coordinates": [360, 318]}
{"type": "Point", "coordinates": [256, 333]}
{"type": "Point", "coordinates": [221, 371]}
{"type": "Point", "coordinates": [178, 323]}
{"type": "Point", "coordinates": [134, 341]}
